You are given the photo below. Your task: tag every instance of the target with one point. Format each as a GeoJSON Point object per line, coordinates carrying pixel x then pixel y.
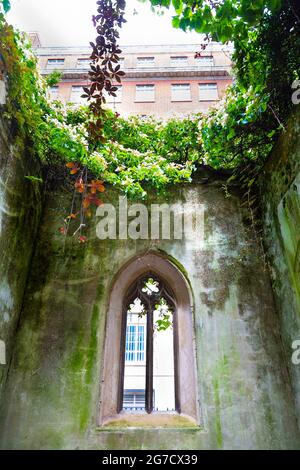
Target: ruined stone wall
{"type": "Point", "coordinates": [20, 208]}
{"type": "Point", "coordinates": [245, 398]}
{"type": "Point", "coordinates": [280, 188]}
{"type": "Point", "coordinates": [54, 296]}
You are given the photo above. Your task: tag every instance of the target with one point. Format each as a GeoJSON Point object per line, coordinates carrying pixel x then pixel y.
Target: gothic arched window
{"type": "Point", "coordinates": [149, 376]}
{"type": "Point", "coordinates": [149, 361]}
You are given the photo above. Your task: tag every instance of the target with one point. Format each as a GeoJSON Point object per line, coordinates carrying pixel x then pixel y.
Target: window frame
{"type": "Point", "coordinates": [83, 60]}
{"type": "Point", "coordinates": [135, 393]}
{"type": "Point", "coordinates": [75, 96]}
{"type": "Point", "coordinates": [179, 60]}
{"type": "Point", "coordinates": [134, 292]}
{"type": "Point", "coordinates": [136, 350]}
{"type": "Point", "coordinates": [138, 98]}
{"type": "Point", "coordinates": [208, 98]}
{"type": "Point", "coordinates": [179, 98]}
{"type": "Point", "coordinates": [58, 62]}
{"type": "Point", "coordinates": [209, 59]}
{"type": "Point", "coordinates": [109, 380]}
{"type": "Point", "coordinates": [147, 62]}
{"type": "Point", "coordinates": [54, 92]}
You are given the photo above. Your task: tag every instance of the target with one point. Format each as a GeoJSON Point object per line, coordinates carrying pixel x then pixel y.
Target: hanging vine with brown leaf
{"type": "Point", "coordinates": [105, 72]}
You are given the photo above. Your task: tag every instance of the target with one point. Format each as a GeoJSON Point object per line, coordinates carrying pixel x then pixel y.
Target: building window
{"type": "Point", "coordinates": [55, 63]}
{"type": "Point", "coordinates": [179, 61]}
{"type": "Point", "coordinates": [115, 99]}
{"type": "Point", "coordinates": [53, 92]}
{"type": "Point", "coordinates": [83, 63]}
{"type": "Point", "coordinates": [149, 361]}
{"type": "Point", "coordinates": [135, 337]}
{"type": "Point", "coordinates": [205, 61]}
{"type": "Point", "coordinates": [145, 61]}
{"type": "Point", "coordinates": [145, 93]}
{"type": "Point", "coordinates": [134, 400]}
{"type": "Point", "coordinates": [76, 93]}
{"type": "Point", "coordinates": [208, 92]}
{"type": "Point", "coordinates": [181, 92]}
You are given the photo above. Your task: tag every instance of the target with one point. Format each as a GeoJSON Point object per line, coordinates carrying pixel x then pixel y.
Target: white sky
{"type": "Point", "coordinates": [68, 23]}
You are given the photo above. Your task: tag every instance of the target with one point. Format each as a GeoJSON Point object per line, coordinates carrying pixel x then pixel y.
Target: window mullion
{"type": "Point", "coordinates": [122, 359]}
{"type": "Point", "coordinates": [149, 361]}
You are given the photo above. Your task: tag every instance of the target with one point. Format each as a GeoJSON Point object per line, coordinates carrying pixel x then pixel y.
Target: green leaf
{"type": "Point", "coordinates": [6, 5]}
{"type": "Point", "coordinates": [34, 179]}
{"type": "Point", "coordinates": [175, 21]}
{"type": "Point", "coordinates": [177, 4]}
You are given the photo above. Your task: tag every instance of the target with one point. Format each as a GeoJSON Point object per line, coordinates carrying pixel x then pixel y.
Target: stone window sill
{"type": "Point", "coordinates": [153, 420]}
{"type": "Point", "coordinates": [208, 100]}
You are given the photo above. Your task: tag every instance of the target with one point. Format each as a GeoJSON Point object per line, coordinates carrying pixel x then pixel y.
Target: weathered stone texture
{"type": "Point", "coordinates": [52, 398]}
{"type": "Point", "coordinates": [280, 185]}
{"type": "Point", "coordinates": [54, 295]}
{"type": "Point", "coordinates": [20, 208]}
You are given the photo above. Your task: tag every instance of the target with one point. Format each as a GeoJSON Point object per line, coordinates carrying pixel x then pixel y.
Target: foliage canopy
{"type": "Point", "coordinates": [136, 154]}
{"type": "Point", "coordinates": [222, 21]}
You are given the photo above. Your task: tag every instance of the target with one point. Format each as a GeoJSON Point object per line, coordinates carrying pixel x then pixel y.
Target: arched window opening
{"type": "Point", "coordinates": [148, 380]}
{"type": "Point", "coordinates": [149, 329]}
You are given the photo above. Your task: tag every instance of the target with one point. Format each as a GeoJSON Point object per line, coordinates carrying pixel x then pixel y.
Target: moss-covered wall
{"type": "Point", "coordinates": [280, 184]}
{"type": "Point", "coordinates": [20, 209]}
{"type": "Point", "coordinates": [52, 395]}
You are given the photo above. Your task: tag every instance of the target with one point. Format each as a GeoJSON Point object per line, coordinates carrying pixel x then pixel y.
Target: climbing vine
{"type": "Point", "coordinates": [97, 147]}
{"type": "Point", "coordinates": [105, 69]}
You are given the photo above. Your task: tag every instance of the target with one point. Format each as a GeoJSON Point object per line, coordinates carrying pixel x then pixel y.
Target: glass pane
{"type": "Point", "coordinates": [163, 358]}
{"type": "Point", "coordinates": [135, 358]}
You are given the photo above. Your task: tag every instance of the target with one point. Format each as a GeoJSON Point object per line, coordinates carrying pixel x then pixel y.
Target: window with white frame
{"type": "Point", "coordinates": [135, 335]}
{"type": "Point", "coordinates": [83, 63]}
{"type": "Point", "coordinates": [179, 61]}
{"type": "Point", "coordinates": [208, 92]}
{"type": "Point", "coordinates": [53, 91]}
{"type": "Point", "coordinates": [135, 343]}
{"type": "Point", "coordinates": [76, 93]}
{"type": "Point", "coordinates": [204, 61]}
{"type": "Point", "coordinates": [115, 99]}
{"type": "Point", "coordinates": [55, 63]}
{"type": "Point", "coordinates": [145, 61]}
{"type": "Point", "coordinates": [134, 400]}
{"type": "Point", "coordinates": [181, 92]}
{"type": "Point", "coordinates": [145, 93]}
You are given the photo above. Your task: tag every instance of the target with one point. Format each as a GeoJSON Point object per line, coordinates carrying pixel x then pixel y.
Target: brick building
{"type": "Point", "coordinates": [160, 80]}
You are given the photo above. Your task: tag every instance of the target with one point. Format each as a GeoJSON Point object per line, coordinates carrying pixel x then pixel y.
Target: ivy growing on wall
{"type": "Point", "coordinates": [134, 154]}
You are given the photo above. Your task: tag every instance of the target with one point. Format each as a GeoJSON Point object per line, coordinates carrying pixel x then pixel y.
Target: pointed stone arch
{"type": "Point", "coordinates": [165, 269]}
